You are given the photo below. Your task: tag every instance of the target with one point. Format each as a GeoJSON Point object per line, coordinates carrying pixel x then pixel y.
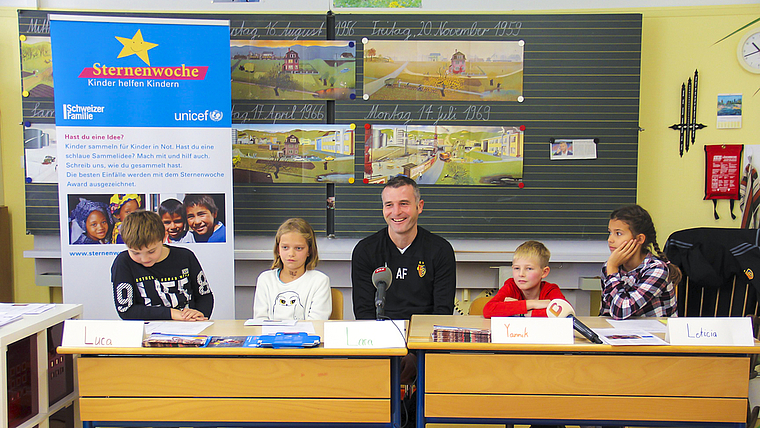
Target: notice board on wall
{"type": "Point", "coordinates": [580, 80]}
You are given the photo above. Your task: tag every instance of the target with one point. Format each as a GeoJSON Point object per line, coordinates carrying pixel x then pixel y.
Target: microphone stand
{"type": "Point", "coordinates": [379, 306]}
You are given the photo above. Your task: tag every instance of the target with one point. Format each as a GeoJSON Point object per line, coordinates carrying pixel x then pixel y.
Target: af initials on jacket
{"type": "Point", "coordinates": [424, 275]}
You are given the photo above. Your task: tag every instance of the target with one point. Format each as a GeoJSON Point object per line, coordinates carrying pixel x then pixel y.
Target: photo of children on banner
{"type": "Point", "coordinates": [121, 205]}
{"type": "Point", "coordinates": [723, 174]}
{"type": "Point", "coordinates": [90, 221]}
{"type": "Point", "coordinates": [204, 214]}
{"type": "Point", "coordinates": [174, 218]}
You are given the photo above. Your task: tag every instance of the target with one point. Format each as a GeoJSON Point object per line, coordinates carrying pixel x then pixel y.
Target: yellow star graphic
{"type": "Point", "coordinates": [135, 46]}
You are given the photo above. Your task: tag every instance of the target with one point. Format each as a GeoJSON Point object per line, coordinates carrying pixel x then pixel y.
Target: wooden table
{"type": "Point", "coordinates": [248, 386]}
{"type": "Point", "coordinates": [579, 384]}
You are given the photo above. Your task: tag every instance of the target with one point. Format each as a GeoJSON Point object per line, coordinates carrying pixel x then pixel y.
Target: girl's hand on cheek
{"type": "Point", "coordinates": [621, 255]}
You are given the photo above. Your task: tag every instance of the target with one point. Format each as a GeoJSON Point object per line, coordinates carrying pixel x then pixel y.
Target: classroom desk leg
{"type": "Point", "coordinates": [395, 392]}
{"type": "Point", "coordinates": [420, 413]}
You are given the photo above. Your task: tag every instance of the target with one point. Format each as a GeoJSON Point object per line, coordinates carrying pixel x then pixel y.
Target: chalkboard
{"type": "Point", "coordinates": [581, 81]}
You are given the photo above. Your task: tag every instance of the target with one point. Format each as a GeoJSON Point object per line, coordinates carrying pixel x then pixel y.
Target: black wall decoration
{"type": "Point", "coordinates": [688, 125]}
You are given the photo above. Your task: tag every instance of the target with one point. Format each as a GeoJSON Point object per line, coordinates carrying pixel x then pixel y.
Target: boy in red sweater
{"type": "Point", "coordinates": [526, 293]}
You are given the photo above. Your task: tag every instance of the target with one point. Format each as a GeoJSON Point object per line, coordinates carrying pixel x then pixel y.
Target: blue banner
{"type": "Point", "coordinates": [141, 74]}
{"type": "Point", "coordinates": [142, 122]}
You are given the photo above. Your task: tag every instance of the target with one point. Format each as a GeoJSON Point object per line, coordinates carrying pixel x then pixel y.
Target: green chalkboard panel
{"type": "Point", "coordinates": [581, 81]}
{"type": "Point", "coordinates": [260, 209]}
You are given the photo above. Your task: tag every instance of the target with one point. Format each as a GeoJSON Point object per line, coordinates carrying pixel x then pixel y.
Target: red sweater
{"type": "Point", "coordinates": [497, 307]}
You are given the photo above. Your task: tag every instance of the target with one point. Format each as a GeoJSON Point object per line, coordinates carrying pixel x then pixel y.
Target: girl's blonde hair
{"type": "Point", "coordinates": [303, 227]}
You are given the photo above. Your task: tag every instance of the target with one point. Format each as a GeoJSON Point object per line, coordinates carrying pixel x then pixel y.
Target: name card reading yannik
{"type": "Point", "coordinates": [365, 334]}
{"type": "Point", "coordinates": [112, 334]}
{"type": "Point", "coordinates": [553, 331]}
{"type": "Point", "coordinates": [720, 331]}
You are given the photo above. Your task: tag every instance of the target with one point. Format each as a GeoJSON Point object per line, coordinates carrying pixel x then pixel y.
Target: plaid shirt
{"type": "Point", "coordinates": [642, 292]}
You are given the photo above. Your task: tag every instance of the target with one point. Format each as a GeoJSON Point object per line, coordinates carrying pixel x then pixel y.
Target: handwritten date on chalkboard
{"type": "Point", "coordinates": [431, 29]}
{"type": "Point", "coordinates": [276, 29]}
{"type": "Point", "coordinates": [428, 112]}
{"type": "Point", "coordinates": [278, 112]}
{"type": "Point", "coordinates": [40, 112]}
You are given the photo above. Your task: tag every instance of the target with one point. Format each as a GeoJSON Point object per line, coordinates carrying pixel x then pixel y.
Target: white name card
{"type": "Point", "coordinates": [721, 331]}
{"type": "Point", "coordinates": [554, 331]}
{"type": "Point", "coordinates": [112, 334]}
{"type": "Point", "coordinates": [365, 334]}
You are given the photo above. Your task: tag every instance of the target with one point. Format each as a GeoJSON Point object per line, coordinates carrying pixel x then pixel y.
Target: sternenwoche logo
{"type": "Point", "coordinates": [191, 116]}
{"type": "Point", "coordinates": [137, 46]}
{"type": "Point", "coordinates": [77, 112]}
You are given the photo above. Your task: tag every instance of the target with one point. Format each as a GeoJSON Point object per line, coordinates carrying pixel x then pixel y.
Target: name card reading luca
{"type": "Point", "coordinates": [365, 334]}
{"type": "Point", "coordinates": [553, 331]}
{"type": "Point", "coordinates": [111, 334]}
{"type": "Point", "coordinates": [719, 331]}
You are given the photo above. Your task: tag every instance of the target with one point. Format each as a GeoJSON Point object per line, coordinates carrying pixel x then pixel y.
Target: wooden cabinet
{"type": "Point", "coordinates": [37, 382]}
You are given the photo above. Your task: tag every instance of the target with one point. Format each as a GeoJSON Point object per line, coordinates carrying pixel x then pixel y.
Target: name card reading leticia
{"type": "Point", "coordinates": [554, 331]}
{"type": "Point", "coordinates": [720, 331]}
{"type": "Point", "coordinates": [365, 334]}
{"type": "Point", "coordinates": [111, 334]}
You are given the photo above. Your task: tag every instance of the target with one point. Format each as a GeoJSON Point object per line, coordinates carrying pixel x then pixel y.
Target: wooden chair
{"type": "Point", "coordinates": [736, 299]}
{"type": "Point", "coordinates": [337, 304]}
{"type": "Point", "coordinates": [476, 307]}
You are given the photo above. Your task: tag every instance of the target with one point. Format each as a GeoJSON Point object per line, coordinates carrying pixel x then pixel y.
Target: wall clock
{"type": "Point", "coordinates": [748, 51]}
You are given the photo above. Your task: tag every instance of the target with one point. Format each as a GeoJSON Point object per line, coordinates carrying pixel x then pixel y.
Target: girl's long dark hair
{"type": "Point", "coordinates": [639, 221]}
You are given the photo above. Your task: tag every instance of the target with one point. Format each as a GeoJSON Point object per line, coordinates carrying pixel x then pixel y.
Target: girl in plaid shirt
{"type": "Point", "coordinates": [638, 280]}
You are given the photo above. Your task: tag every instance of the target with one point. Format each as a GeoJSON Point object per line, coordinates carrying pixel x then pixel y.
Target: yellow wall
{"type": "Point", "coordinates": [12, 151]}
{"type": "Point", "coordinates": [675, 42]}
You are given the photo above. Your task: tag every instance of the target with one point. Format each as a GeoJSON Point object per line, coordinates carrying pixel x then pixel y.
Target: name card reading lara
{"type": "Point", "coordinates": [552, 331]}
{"type": "Point", "coordinates": [113, 334]}
{"type": "Point", "coordinates": [719, 331]}
{"type": "Point", "coordinates": [365, 334]}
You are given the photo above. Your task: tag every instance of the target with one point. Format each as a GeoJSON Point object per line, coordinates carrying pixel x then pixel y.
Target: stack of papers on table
{"type": "Point", "coordinates": [10, 312]}
{"type": "Point", "coordinates": [640, 331]}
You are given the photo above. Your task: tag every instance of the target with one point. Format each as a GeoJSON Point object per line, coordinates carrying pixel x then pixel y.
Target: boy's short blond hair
{"type": "Point", "coordinates": [533, 249]}
{"type": "Point", "coordinates": [142, 229]}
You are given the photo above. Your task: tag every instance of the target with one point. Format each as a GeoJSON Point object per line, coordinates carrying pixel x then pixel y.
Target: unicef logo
{"type": "Point", "coordinates": [216, 115]}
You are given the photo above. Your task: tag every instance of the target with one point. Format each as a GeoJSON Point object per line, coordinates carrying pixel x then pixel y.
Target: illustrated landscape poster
{"type": "Point", "coordinates": [36, 66]}
{"type": "Point", "coordinates": [440, 154]}
{"type": "Point", "coordinates": [293, 69]}
{"type": "Point", "coordinates": [443, 70]}
{"type": "Point", "coordinates": [293, 153]}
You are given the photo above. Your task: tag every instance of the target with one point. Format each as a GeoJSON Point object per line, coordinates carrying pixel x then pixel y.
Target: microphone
{"type": "Point", "coordinates": [559, 308]}
{"type": "Point", "coordinates": [381, 279]}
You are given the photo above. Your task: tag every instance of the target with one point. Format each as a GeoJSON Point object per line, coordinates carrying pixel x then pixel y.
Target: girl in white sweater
{"type": "Point", "coordinates": [292, 289]}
